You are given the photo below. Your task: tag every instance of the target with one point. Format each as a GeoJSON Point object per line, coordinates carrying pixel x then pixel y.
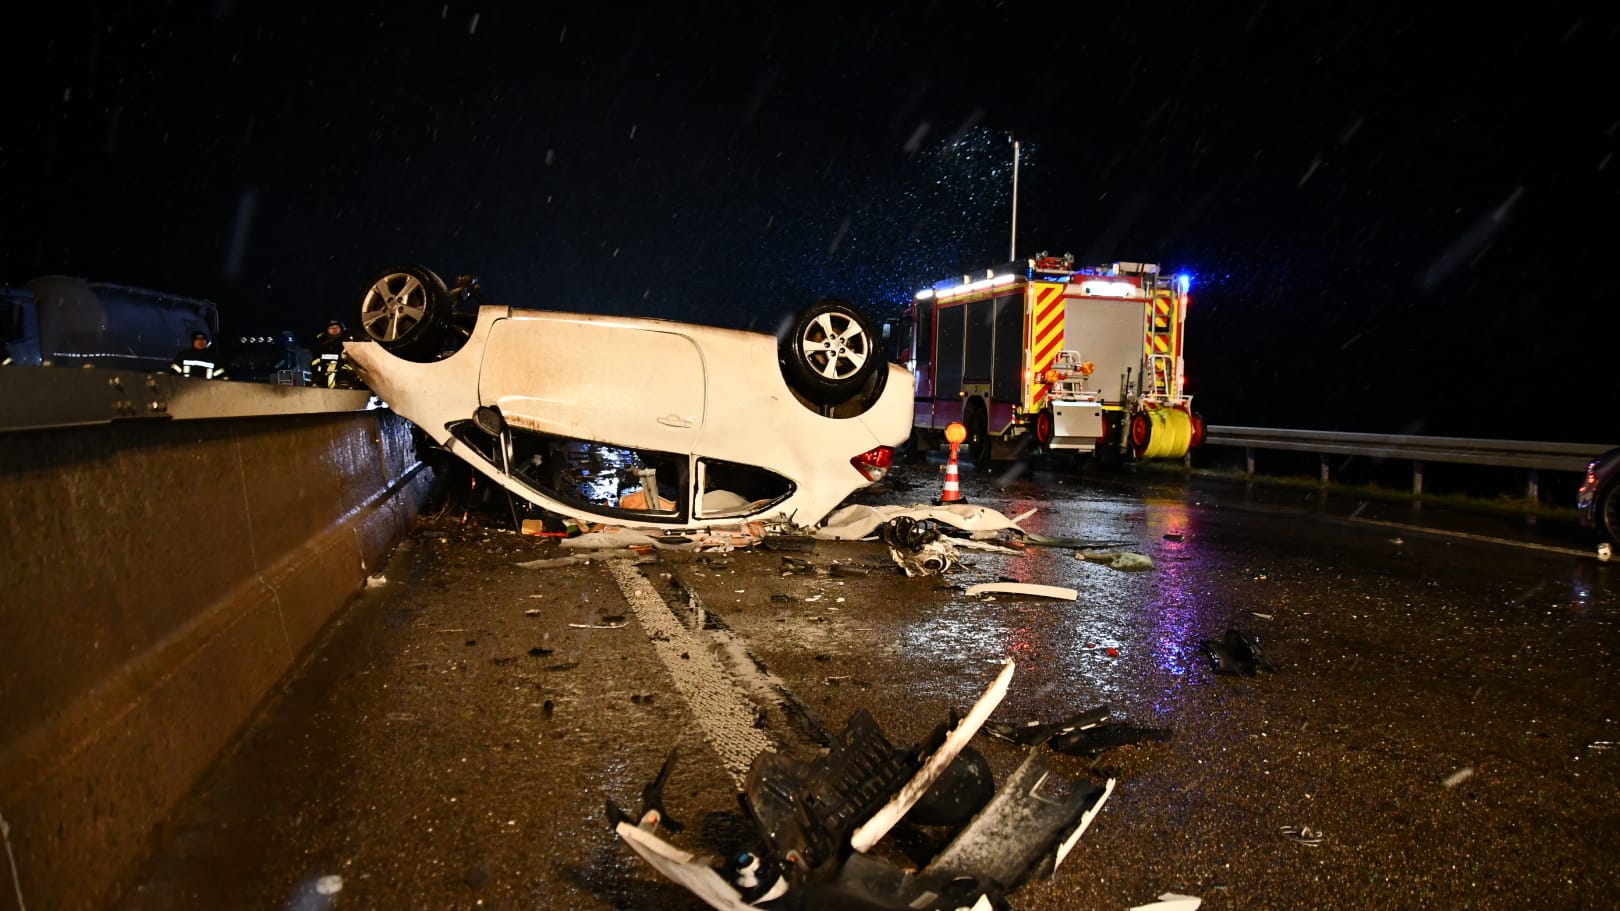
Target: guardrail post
{"type": "Point", "coordinates": [1248, 459]}
{"type": "Point", "coordinates": [1533, 488]}
{"type": "Point", "coordinates": [1323, 462]}
{"type": "Point", "coordinates": [1417, 478]}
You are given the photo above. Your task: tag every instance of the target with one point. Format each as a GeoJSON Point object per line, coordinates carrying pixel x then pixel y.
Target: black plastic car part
{"type": "Point", "coordinates": [814, 820]}
{"type": "Point", "coordinates": [808, 811]}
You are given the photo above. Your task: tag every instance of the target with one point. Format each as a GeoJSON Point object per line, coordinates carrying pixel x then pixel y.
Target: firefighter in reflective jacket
{"type": "Point", "coordinates": [329, 367]}
{"type": "Point", "coordinates": [197, 361]}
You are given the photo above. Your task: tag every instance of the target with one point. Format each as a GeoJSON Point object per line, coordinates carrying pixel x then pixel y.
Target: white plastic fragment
{"type": "Point", "coordinates": [16, 882]}
{"type": "Point", "coordinates": [555, 562]}
{"type": "Point", "coordinates": [1304, 835]}
{"type": "Point", "coordinates": [872, 831]}
{"type": "Point", "coordinates": [1171, 901]}
{"type": "Point", "coordinates": [1085, 823]}
{"type": "Point", "coordinates": [376, 581]}
{"type": "Point", "coordinates": [700, 879]}
{"type": "Point", "coordinates": [1024, 588]}
{"type": "Point", "coordinates": [857, 521]}
{"type": "Point", "coordinates": [1458, 777]}
{"type": "Point", "coordinates": [329, 885]}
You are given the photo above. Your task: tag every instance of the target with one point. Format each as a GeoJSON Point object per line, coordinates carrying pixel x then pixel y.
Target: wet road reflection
{"type": "Point", "coordinates": [1214, 568]}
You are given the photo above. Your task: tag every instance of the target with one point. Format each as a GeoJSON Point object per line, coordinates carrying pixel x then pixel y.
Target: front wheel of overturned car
{"type": "Point", "coordinates": [830, 352]}
{"type": "Point", "coordinates": [406, 309]}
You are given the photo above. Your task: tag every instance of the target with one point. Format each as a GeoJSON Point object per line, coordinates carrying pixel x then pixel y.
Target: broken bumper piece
{"type": "Point", "coordinates": [819, 824]}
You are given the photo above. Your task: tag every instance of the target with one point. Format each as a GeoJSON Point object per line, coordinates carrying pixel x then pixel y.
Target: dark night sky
{"type": "Point", "coordinates": [1399, 219]}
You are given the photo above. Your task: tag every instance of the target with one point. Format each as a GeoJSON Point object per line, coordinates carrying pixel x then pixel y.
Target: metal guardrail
{"type": "Point", "coordinates": [43, 398]}
{"type": "Point", "coordinates": [1530, 455]}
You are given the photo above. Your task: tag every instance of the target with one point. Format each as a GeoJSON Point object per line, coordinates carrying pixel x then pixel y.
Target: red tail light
{"type": "Point", "coordinates": [874, 463]}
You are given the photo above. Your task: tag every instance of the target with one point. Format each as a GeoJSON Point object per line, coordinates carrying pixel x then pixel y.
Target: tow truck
{"type": "Point", "coordinates": [1042, 355]}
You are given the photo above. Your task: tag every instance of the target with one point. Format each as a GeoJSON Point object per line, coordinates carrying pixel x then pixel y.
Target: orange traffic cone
{"type": "Point", "coordinates": [955, 434]}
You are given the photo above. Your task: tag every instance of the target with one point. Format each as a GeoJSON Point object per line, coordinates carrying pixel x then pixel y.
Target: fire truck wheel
{"type": "Point", "coordinates": [978, 440]}
{"type": "Point", "coordinates": [1141, 433]}
{"type": "Point", "coordinates": [405, 309]}
{"type": "Point", "coordinates": [916, 448]}
{"type": "Point", "coordinates": [1198, 431]}
{"type": "Point", "coordinates": [829, 352]}
{"type": "Point", "coordinates": [1044, 427]}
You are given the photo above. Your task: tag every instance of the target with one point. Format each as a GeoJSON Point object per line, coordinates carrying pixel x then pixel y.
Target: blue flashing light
{"type": "Point", "coordinates": [1185, 281]}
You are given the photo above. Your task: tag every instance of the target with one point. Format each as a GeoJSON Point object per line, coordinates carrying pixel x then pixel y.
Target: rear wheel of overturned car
{"type": "Point", "coordinates": [830, 352]}
{"type": "Point", "coordinates": [405, 309]}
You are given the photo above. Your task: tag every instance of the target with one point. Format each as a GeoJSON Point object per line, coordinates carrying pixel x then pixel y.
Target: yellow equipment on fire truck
{"type": "Point", "coordinates": [1043, 355]}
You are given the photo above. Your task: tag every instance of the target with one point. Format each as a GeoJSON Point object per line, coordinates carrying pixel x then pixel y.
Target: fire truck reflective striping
{"type": "Point", "coordinates": [1159, 338]}
{"type": "Point", "coordinates": [1047, 317]}
{"type": "Point", "coordinates": [1084, 359]}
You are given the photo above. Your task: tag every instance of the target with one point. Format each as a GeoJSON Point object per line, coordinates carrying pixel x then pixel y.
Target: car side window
{"type": "Point", "coordinates": [728, 489]}
{"type": "Point", "coordinates": [479, 439]}
{"type": "Point", "coordinates": [608, 480]}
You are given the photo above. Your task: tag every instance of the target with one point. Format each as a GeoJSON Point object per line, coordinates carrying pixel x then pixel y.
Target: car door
{"type": "Point", "coordinates": [622, 382]}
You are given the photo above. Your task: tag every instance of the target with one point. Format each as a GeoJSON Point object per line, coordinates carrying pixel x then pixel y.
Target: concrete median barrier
{"type": "Point", "coordinates": [159, 579]}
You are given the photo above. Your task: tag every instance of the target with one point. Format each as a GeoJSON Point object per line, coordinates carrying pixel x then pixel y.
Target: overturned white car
{"type": "Point", "coordinates": [633, 421]}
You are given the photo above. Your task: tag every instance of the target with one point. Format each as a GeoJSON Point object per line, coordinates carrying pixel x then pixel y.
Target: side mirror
{"type": "Point", "coordinates": [489, 420]}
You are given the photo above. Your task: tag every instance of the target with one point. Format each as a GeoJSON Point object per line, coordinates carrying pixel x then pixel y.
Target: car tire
{"type": "Point", "coordinates": [1608, 512]}
{"type": "Point", "coordinates": [406, 309]}
{"type": "Point", "coordinates": [830, 352]}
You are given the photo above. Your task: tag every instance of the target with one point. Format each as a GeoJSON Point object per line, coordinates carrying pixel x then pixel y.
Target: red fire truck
{"type": "Point", "coordinates": [1041, 355]}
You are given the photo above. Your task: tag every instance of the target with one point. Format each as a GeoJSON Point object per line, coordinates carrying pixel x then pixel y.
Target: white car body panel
{"type": "Point", "coordinates": [645, 384]}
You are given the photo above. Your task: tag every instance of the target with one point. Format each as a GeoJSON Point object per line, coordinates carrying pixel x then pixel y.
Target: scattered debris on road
{"type": "Point", "coordinates": [1171, 901]}
{"type": "Point", "coordinates": [1024, 588]}
{"type": "Point", "coordinates": [853, 523]}
{"type": "Point", "coordinates": [1088, 733]}
{"type": "Point", "coordinates": [1305, 835]}
{"type": "Point", "coordinates": [1239, 653]}
{"type": "Point", "coordinates": [1124, 561]}
{"type": "Point", "coordinates": [820, 822]}
{"type": "Point", "coordinates": [918, 547]}
{"type": "Point", "coordinates": [555, 562]}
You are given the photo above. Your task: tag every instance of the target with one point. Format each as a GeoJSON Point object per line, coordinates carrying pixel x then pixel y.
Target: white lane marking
{"type": "Point", "coordinates": [726, 716]}
{"type": "Point", "coordinates": [1466, 536]}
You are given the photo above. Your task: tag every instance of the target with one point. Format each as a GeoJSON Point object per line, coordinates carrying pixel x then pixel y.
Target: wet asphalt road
{"type": "Point", "coordinates": [1437, 713]}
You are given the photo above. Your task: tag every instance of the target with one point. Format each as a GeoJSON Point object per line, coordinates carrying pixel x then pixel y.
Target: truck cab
{"type": "Point", "coordinates": [58, 320]}
{"type": "Point", "coordinates": [19, 327]}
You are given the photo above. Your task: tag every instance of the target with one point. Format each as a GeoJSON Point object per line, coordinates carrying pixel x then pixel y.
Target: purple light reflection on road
{"type": "Point", "coordinates": [1178, 615]}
